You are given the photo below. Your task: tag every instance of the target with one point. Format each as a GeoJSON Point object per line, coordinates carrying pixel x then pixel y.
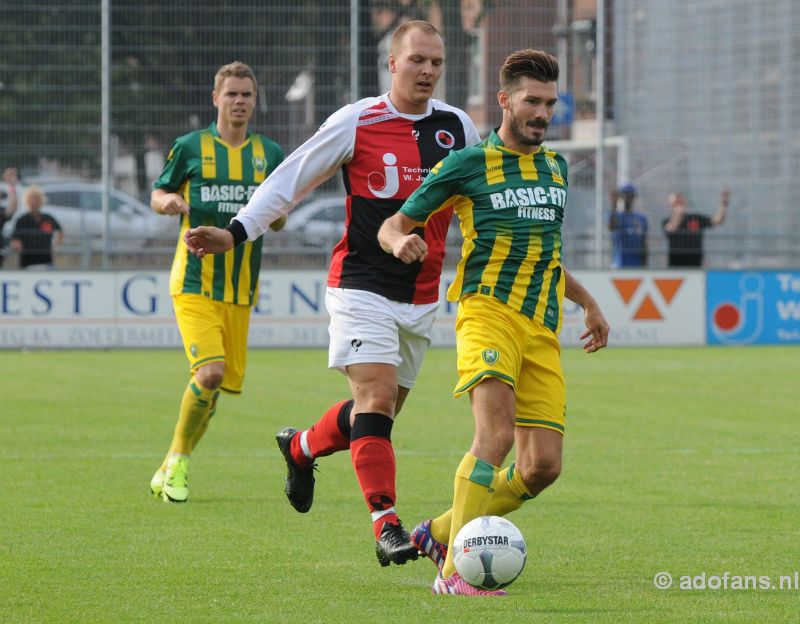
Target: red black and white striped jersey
{"type": "Point", "coordinates": [384, 155]}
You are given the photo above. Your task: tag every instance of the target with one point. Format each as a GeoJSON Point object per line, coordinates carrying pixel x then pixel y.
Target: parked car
{"type": "Point", "coordinates": [77, 206]}
{"type": "Point", "coordinates": [319, 221]}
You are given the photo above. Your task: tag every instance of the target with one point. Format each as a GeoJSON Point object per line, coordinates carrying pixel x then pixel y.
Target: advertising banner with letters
{"type": "Point", "coordinates": [753, 307]}
{"type": "Point", "coordinates": [643, 308]}
{"type": "Point", "coordinates": [133, 309]}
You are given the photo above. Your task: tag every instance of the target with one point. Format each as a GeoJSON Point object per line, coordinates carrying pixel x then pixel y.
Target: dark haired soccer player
{"type": "Point", "coordinates": [382, 310]}
{"type": "Point", "coordinates": [208, 177]}
{"type": "Point", "coordinates": [509, 193]}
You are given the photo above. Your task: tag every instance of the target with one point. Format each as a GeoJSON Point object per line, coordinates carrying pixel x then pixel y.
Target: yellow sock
{"type": "Point", "coordinates": [204, 425]}
{"type": "Point", "coordinates": [472, 491]}
{"type": "Point", "coordinates": [195, 406]}
{"type": "Point", "coordinates": [509, 493]}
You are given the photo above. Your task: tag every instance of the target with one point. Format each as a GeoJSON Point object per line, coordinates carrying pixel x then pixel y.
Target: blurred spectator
{"type": "Point", "coordinates": [628, 229]}
{"type": "Point", "coordinates": [36, 233]}
{"type": "Point", "coordinates": [684, 230]}
{"type": "Point", "coordinates": [11, 178]}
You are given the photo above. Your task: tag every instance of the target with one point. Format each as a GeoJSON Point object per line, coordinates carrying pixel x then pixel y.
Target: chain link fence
{"type": "Point", "coordinates": [698, 96]}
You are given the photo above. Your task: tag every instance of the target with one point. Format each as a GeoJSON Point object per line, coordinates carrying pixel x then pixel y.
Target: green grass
{"type": "Point", "coordinates": [677, 460]}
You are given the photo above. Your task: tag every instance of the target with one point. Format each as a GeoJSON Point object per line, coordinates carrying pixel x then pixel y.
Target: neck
{"type": "Point", "coordinates": [406, 107]}
{"type": "Point", "coordinates": [232, 135]}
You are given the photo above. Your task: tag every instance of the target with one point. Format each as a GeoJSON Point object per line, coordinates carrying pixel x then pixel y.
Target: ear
{"type": "Point", "coordinates": [502, 99]}
{"type": "Point", "coordinates": [392, 64]}
{"type": "Point", "coordinates": [214, 98]}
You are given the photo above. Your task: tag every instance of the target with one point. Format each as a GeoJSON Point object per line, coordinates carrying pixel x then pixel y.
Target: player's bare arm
{"type": "Point", "coordinates": [207, 239]}
{"type": "Point", "coordinates": [395, 238]}
{"type": "Point", "coordinates": [165, 203]}
{"type": "Point", "coordinates": [597, 328]}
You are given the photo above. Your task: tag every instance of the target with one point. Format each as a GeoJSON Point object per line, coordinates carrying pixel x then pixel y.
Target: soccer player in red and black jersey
{"type": "Point", "coordinates": [382, 310]}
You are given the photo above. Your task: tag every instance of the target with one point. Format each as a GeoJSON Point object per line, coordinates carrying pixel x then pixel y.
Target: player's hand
{"type": "Point", "coordinates": [173, 204]}
{"type": "Point", "coordinates": [410, 248]}
{"type": "Point", "coordinates": [207, 239]}
{"type": "Point", "coordinates": [277, 224]}
{"type": "Point", "coordinates": [726, 196]}
{"type": "Point", "coordinates": [597, 329]}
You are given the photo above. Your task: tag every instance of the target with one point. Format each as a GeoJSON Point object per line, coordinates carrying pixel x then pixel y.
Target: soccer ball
{"type": "Point", "coordinates": [489, 552]}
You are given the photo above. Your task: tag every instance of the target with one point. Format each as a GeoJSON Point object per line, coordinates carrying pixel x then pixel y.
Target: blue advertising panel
{"type": "Point", "coordinates": [753, 307]}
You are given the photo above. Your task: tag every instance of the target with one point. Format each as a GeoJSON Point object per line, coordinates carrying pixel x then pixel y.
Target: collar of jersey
{"type": "Point", "coordinates": [215, 133]}
{"type": "Point", "coordinates": [495, 140]}
{"type": "Point", "coordinates": [390, 105]}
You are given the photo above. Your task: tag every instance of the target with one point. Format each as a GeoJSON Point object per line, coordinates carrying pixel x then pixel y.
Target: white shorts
{"type": "Point", "coordinates": [367, 328]}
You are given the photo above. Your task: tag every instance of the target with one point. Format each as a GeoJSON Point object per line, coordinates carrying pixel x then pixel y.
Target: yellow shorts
{"type": "Point", "coordinates": [494, 340]}
{"type": "Point", "coordinates": [213, 331]}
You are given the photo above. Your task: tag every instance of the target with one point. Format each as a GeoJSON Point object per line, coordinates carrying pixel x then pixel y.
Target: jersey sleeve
{"type": "Point", "coordinates": [174, 172]}
{"type": "Point", "coordinates": [315, 161]}
{"type": "Point", "coordinates": [471, 136]}
{"type": "Point", "coordinates": [440, 184]}
{"type": "Point", "coordinates": [275, 155]}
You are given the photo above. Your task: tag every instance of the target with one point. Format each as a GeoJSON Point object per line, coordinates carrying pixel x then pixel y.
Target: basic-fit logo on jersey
{"type": "Point", "coordinates": [386, 184]}
{"type": "Point", "coordinates": [444, 139]}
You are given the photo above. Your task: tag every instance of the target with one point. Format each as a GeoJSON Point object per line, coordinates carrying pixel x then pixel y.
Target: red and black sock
{"type": "Point", "coordinates": [373, 460]}
{"type": "Point", "coordinates": [331, 433]}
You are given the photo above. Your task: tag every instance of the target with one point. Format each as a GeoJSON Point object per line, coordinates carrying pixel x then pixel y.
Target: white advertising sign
{"type": "Point", "coordinates": [133, 309]}
{"type": "Point", "coordinates": [643, 307]}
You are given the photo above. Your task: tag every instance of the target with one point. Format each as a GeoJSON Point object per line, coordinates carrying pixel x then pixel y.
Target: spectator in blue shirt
{"type": "Point", "coordinates": [628, 229]}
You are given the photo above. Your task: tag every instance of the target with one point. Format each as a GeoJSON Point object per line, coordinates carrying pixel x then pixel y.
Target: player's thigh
{"type": "Point", "coordinates": [541, 391]}
{"type": "Point", "coordinates": [201, 323]}
{"type": "Point", "coordinates": [489, 336]}
{"type": "Point", "coordinates": [363, 330]}
{"type": "Point", "coordinates": [235, 332]}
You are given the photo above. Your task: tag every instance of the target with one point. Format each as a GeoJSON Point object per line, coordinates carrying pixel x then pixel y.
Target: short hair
{"type": "Point", "coordinates": [536, 64]}
{"type": "Point", "coordinates": [400, 32]}
{"type": "Point", "coordinates": [237, 69]}
{"type": "Point", "coordinates": [34, 190]}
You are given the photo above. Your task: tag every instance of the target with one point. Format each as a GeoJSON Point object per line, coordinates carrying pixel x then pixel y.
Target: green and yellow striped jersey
{"type": "Point", "coordinates": [511, 208]}
{"type": "Point", "coordinates": [217, 180]}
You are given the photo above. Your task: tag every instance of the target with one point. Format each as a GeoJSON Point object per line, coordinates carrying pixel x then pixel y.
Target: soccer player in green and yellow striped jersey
{"type": "Point", "coordinates": [209, 175]}
{"type": "Point", "coordinates": [510, 193]}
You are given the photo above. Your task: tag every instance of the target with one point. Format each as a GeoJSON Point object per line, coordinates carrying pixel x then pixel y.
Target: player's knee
{"type": "Point", "coordinates": [379, 399]}
{"type": "Point", "coordinates": [540, 474]}
{"type": "Point", "coordinates": [210, 376]}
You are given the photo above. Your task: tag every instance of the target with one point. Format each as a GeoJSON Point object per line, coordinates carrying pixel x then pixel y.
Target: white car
{"type": "Point", "coordinates": [77, 206]}
{"type": "Point", "coordinates": [318, 222]}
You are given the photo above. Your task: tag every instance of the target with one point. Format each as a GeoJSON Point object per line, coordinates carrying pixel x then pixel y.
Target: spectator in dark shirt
{"type": "Point", "coordinates": [36, 233]}
{"type": "Point", "coordinates": [684, 230]}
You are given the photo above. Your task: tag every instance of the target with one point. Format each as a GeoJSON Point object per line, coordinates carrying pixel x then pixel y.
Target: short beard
{"type": "Point", "coordinates": [515, 128]}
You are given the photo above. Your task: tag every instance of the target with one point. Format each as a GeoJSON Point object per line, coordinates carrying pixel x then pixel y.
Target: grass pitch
{"type": "Point", "coordinates": [682, 461]}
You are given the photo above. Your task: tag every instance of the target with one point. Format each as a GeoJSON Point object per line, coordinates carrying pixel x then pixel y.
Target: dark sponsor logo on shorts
{"type": "Point", "coordinates": [355, 343]}
{"type": "Point", "coordinates": [490, 356]}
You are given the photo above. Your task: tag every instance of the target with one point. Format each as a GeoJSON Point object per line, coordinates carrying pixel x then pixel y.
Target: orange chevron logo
{"type": "Point", "coordinates": [649, 303]}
